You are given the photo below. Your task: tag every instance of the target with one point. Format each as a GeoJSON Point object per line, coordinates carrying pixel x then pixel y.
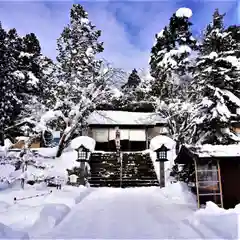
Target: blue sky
{"type": "Point", "coordinates": [128, 27]}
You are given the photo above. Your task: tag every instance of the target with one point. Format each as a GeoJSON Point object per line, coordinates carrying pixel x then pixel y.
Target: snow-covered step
{"type": "Point", "coordinates": [136, 170]}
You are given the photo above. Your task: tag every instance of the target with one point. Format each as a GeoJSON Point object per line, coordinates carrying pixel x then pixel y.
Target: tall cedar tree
{"type": "Point", "coordinates": [133, 95]}
{"type": "Point", "coordinates": [79, 78]}
{"type": "Point", "coordinates": [77, 48]}
{"type": "Point", "coordinates": [169, 61]}
{"type": "Point", "coordinates": [8, 100]}
{"type": "Point", "coordinates": [217, 82]}
{"type": "Point", "coordinates": [28, 80]}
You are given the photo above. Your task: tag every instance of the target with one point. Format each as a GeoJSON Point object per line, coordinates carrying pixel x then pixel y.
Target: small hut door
{"type": "Point", "coordinates": [208, 183]}
{"type": "Point", "coordinates": [230, 171]}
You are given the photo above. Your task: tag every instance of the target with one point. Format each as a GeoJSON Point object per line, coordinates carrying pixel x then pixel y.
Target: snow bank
{"type": "Point", "coordinates": [179, 193]}
{"type": "Point", "coordinates": [48, 152]}
{"type": "Point", "coordinates": [6, 170]}
{"type": "Point", "coordinates": [8, 233]}
{"type": "Point", "coordinates": [86, 141]}
{"type": "Point", "coordinates": [224, 223]}
{"type": "Point", "coordinates": [50, 216]}
{"type": "Point", "coordinates": [43, 165]}
{"type": "Point", "coordinates": [184, 12]}
{"type": "Point", "coordinates": [37, 211]}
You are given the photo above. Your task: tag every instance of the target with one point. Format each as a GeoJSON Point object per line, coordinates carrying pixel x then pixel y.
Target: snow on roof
{"type": "Point", "coordinates": [208, 150]}
{"type": "Point", "coordinates": [184, 12]}
{"type": "Point", "coordinates": [124, 118]}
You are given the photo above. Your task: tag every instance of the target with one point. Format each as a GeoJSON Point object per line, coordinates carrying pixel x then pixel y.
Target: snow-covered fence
{"type": "Point", "coordinates": [37, 195]}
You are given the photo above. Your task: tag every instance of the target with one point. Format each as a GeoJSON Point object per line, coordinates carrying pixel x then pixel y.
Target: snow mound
{"type": "Point", "coordinates": [158, 141]}
{"type": "Point", "coordinates": [86, 141]}
{"type": "Point", "coordinates": [180, 193]}
{"type": "Point", "coordinates": [50, 216]}
{"type": "Point", "coordinates": [184, 12]}
{"type": "Point", "coordinates": [221, 221]}
{"type": "Point", "coordinates": [6, 170]}
{"type": "Point", "coordinates": [8, 233]}
{"type": "Point", "coordinates": [48, 152]}
{"type": "Point", "coordinates": [7, 143]}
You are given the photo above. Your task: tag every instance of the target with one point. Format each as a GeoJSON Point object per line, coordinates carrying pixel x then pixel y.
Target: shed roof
{"type": "Point", "coordinates": [207, 151]}
{"type": "Point", "coordinates": [124, 118]}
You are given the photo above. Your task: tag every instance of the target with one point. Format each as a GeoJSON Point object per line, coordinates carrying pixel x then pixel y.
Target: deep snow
{"type": "Point", "coordinates": [133, 213]}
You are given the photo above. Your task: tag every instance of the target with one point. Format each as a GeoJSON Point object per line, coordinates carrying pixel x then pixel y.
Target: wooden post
{"type": "Point", "coordinates": [220, 182]}
{"type": "Point", "coordinates": [196, 182]}
{"type": "Point", "coordinates": [146, 135]}
{"type": "Point", "coordinates": [162, 174]}
{"type": "Point", "coordinates": [121, 173]}
{"type": "Point", "coordinates": [82, 173]}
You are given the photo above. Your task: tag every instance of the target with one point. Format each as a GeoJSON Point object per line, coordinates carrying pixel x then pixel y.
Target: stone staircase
{"type": "Point", "coordinates": [136, 171]}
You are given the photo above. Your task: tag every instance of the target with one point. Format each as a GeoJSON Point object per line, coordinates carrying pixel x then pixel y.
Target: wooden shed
{"type": "Point", "coordinates": [215, 171]}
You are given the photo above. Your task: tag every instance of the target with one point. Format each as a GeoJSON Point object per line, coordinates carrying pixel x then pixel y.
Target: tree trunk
{"type": "Point", "coordinates": [61, 145]}
{"type": "Point", "coordinates": [1, 139]}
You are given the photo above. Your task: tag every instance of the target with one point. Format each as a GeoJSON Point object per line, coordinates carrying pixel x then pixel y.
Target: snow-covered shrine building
{"type": "Point", "coordinates": [133, 167]}
{"type": "Point", "coordinates": [136, 129]}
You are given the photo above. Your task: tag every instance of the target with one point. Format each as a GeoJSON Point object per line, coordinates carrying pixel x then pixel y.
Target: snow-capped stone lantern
{"type": "Point", "coordinates": [161, 158]}
{"type": "Point", "coordinates": [83, 154]}
{"type": "Point", "coordinates": [84, 146]}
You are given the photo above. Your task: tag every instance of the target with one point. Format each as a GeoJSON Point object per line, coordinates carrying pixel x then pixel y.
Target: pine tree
{"type": "Point", "coordinates": [80, 77]}
{"type": "Point", "coordinates": [216, 84]}
{"type": "Point", "coordinates": [30, 79]}
{"type": "Point", "coordinates": [134, 95]}
{"type": "Point", "coordinates": [133, 80]}
{"type": "Point", "coordinates": [170, 63]}
{"type": "Point", "coordinates": [77, 48]}
{"type": "Point", "coordinates": [8, 101]}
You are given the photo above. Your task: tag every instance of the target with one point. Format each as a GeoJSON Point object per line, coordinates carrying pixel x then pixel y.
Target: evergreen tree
{"type": "Point", "coordinates": [170, 57]}
{"type": "Point", "coordinates": [29, 77]}
{"type": "Point", "coordinates": [217, 83]}
{"type": "Point", "coordinates": [77, 48]}
{"type": "Point", "coordinates": [133, 80]}
{"type": "Point", "coordinates": [80, 77]}
{"type": "Point", "coordinates": [133, 95]}
{"type": "Point", "coordinates": [8, 100]}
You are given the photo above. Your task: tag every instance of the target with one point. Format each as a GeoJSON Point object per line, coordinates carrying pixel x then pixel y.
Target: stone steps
{"type": "Point", "coordinates": [137, 170]}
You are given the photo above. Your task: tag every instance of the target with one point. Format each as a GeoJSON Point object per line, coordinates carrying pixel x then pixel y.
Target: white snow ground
{"type": "Point", "coordinates": [104, 213]}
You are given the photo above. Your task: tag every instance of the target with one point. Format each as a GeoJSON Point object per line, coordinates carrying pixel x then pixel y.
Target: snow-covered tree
{"type": "Point", "coordinates": [30, 81]}
{"type": "Point", "coordinates": [170, 60]}
{"type": "Point", "coordinates": [216, 86]}
{"type": "Point", "coordinates": [133, 80]}
{"type": "Point", "coordinates": [77, 47]}
{"type": "Point", "coordinates": [171, 65]}
{"type": "Point", "coordinates": [134, 95]}
{"type": "Point", "coordinates": [8, 100]}
{"type": "Point", "coordinates": [81, 78]}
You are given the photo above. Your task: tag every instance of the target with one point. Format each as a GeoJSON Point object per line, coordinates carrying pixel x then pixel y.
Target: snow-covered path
{"type": "Point", "coordinates": [128, 213]}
